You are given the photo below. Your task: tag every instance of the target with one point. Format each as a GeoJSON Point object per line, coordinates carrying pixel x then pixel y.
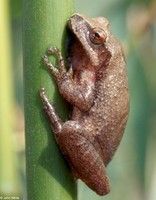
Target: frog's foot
{"type": "Point", "coordinates": [59, 71]}
{"type": "Point", "coordinates": [55, 50]}
{"type": "Point", "coordinates": [49, 109]}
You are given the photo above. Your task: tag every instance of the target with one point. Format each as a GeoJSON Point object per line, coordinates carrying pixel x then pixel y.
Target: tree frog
{"type": "Point", "coordinates": [96, 86]}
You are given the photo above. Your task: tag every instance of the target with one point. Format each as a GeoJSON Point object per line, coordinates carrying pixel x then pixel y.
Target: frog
{"type": "Point", "coordinates": [95, 84]}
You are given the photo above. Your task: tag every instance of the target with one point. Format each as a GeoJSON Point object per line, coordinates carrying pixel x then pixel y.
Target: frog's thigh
{"type": "Point", "coordinates": [83, 157]}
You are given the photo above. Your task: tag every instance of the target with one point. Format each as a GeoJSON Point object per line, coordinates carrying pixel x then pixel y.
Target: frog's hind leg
{"type": "Point", "coordinates": [82, 156]}
{"type": "Point", "coordinates": [86, 163]}
{"type": "Point", "coordinates": [55, 120]}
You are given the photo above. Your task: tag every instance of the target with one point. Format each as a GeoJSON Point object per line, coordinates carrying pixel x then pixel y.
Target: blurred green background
{"type": "Point", "coordinates": [132, 172]}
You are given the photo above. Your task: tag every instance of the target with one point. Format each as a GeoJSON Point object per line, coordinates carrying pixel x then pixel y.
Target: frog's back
{"type": "Point", "coordinates": [111, 105]}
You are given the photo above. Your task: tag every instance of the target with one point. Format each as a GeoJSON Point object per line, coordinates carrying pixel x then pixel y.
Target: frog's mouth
{"type": "Point", "coordinates": [81, 29]}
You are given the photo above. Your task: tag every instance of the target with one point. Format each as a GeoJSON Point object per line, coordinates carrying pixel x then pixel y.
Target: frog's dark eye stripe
{"type": "Point", "coordinates": [97, 36]}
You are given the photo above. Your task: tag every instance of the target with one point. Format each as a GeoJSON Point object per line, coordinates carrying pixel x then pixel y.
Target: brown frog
{"type": "Point", "coordinates": [96, 86]}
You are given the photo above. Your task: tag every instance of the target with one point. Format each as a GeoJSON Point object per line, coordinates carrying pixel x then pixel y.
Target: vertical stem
{"type": "Point", "coordinates": [48, 176]}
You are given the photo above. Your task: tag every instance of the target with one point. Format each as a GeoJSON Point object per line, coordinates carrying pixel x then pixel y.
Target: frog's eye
{"type": "Point", "coordinates": [97, 36]}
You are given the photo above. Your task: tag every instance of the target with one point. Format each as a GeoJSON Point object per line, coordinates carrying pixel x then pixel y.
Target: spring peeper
{"type": "Point", "coordinates": [96, 86]}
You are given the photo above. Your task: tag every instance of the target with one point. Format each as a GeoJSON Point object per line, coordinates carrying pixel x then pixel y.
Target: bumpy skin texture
{"type": "Point", "coordinates": [96, 87]}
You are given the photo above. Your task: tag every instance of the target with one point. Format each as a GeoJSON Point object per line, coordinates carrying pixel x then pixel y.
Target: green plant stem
{"type": "Point", "coordinates": [48, 176]}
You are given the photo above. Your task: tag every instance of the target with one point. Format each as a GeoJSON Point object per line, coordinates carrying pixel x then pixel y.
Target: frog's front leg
{"type": "Point", "coordinates": [59, 72]}
{"type": "Point", "coordinates": [81, 97]}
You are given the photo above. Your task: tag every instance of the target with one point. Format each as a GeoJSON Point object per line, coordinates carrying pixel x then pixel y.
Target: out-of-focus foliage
{"type": "Point", "coordinates": [10, 184]}
{"type": "Point", "coordinates": [132, 171]}
{"type": "Point", "coordinates": [16, 36]}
